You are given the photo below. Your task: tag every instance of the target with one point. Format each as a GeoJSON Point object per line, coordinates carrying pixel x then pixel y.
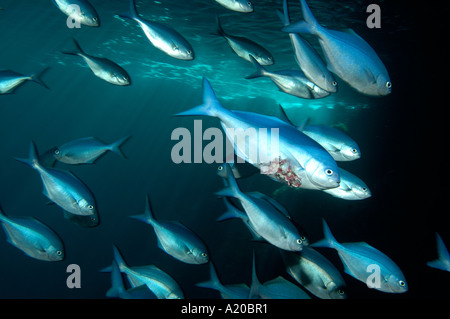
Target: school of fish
{"type": "Point", "coordinates": [307, 158]}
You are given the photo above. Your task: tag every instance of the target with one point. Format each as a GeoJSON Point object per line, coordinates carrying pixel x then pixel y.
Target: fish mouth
{"type": "Point", "coordinates": [281, 170]}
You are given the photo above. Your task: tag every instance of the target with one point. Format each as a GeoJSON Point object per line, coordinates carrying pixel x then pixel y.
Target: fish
{"type": "Point", "coordinates": [233, 291]}
{"type": "Point", "coordinates": [244, 6]}
{"type": "Point", "coordinates": [351, 187]}
{"type": "Point", "coordinates": [161, 36]}
{"type": "Point", "coordinates": [340, 145]}
{"type": "Point", "coordinates": [315, 273]}
{"type": "Point", "coordinates": [11, 80]}
{"type": "Point", "coordinates": [347, 54]}
{"type": "Point", "coordinates": [308, 59]}
{"type": "Point", "coordinates": [292, 82]}
{"type": "Point", "coordinates": [366, 264]}
{"type": "Point", "coordinates": [297, 161]}
{"type": "Point", "coordinates": [176, 239]}
{"type": "Point", "coordinates": [62, 187]}
{"type": "Point", "coordinates": [239, 170]}
{"type": "Point", "coordinates": [103, 68]}
{"type": "Point", "coordinates": [83, 221]}
{"type": "Point", "coordinates": [86, 150]}
{"type": "Point", "coordinates": [33, 237]}
{"type": "Point", "coordinates": [245, 48]}
{"type": "Point", "coordinates": [268, 222]}
{"type": "Point", "coordinates": [443, 260]}
{"type": "Point", "coordinates": [159, 282]}
{"type": "Point", "coordinates": [277, 288]}
{"type": "Point", "coordinates": [80, 10]}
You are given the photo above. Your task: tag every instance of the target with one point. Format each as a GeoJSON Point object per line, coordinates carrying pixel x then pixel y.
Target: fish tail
{"type": "Point", "coordinates": [33, 159]}
{"type": "Point", "coordinates": [116, 282]}
{"type": "Point", "coordinates": [442, 255]}
{"type": "Point", "coordinates": [233, 189]}
{"type": "Point", "coordinates": [213, 282]}
{"type": "Point", "coordinates": [284, 17]}
{"type": "Point", "coordinates": [260, 70]}
{"type": "Point", "coordinates": [309, 25]}
{"type": "Point", "coordinates": [132, 13]}
{"type": "Point", "coordinates": [2, 215]}
{"type": "Point", "coordinates": [79, 51]}
{"type": "Point", "coordinates": [220, 30]}
{"type": "Point", "coordinates": [118, 259]}
{"type": "Point", "coordinates": [37, 78]}
{"type": "Point", "coordinates": [256, 284]}
{"type": "Point", "coordinates": [232, 211]}
{"type": "Point", "coordinates": [329, 240]}
{"type": "Point", "coordinates": [115, 147]}
{"type": "Point", "coordinates": [147, 216]}
{"type": "Point", "coordinates": [211, 105]}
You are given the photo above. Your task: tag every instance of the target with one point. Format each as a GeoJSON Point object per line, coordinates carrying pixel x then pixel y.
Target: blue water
{"type": "Point", "coordinates": [79, 104]}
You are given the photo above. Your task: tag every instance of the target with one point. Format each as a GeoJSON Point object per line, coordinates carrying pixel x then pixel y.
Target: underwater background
{"type": "Point", "coordinates": [402, 146]}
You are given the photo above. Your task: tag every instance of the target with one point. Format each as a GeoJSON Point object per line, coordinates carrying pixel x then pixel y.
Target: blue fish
{"type": "Point", "coordinates": [299, 161]}
{"type": "Point", "coordinates": [10, 80]}
{"type": "Point", "coordinates": [443, 261]}
{"type": "Point", "coordinates": [244, 6]}
{"type": "Point", "coordinates": [176, 239]}
{"type": "Point", "coordinates": [308, 59]}
{"type": "Point", "coordinates": [34, 238]}
{"type": "Point", "coordinates": [80, 10]}
{"type": "Point", "coordinates": [62, 187]}
{"type": "Point", "coordinates": [367, 264]}
{"type": "Point", "coordinates": [351, 187]}
{"type": "Point", "coordinates": [348, 55]}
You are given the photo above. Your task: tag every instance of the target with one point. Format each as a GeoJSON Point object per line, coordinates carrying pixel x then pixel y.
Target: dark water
{"type": "Point", "coordinates": [403, 167]}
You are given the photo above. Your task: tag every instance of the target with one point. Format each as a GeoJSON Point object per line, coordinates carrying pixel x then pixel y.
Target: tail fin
{"type": "Point", "coordinates": [147, 217]}
{"type": "Point", "coordinates": [220, 30]}
{"type": "Point", "coordinates": [118, 258]}
{"type": "Point", "coordinates": [115, 147]}
{"type": "Point", "coordinates": [329, 240]}
{"type": "Point", "coordinates": [117, 286]}
{"type": "Point", "coordinates": [256, 284]}
{"type": "Point", "coordinates": [443, 260]}
{"type": "Point", "coordinates": [213, 282]}
{"type": "Point", "coordinates": [33, 159]}
{"type": "Point", "coordinates": [260, 70]}
{"type": "Point", "coordinates": [285, 117]}
{"type": "Point", "coordinates": [79, 51]}
{"type": "Point", "coordinates": [284, 17]}
{"type": "Point", "coordinates": [211, 105]}
{"type": "Point", "coordinates": [233, 188]}
{"type": "Point", "coordinates": [37, 78]}
{"type": "Point", "coordinates": [132, 14]}
{"type": "Point", "coordinates": [309, 25]}
{"type": "Point", "coordinates": [232, 212]}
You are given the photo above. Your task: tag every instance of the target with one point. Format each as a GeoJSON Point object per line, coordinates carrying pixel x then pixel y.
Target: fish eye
{"type": "Point", "coordinates": [189, 52]}
{"type": "Point", "coordinates": [364, 189]}
{"type": "Point", "coordinates": [334, 83]}
{"type": "Point", "coordinates": [303, 238]}
{"type": "Point", "coordinates": [388, 84]}
{"type": "Point", "coordinates": [354, 150]}
{"type": "Point", "coordinates": [249, 3]}
{"type": "Point", "coordinates": [204, 254]}
{"type": "Point", "coordinates": [92, 219]}
{"type": "Point", "coordinates": [220, 168]}
{"type": "Point", "coordinates": [329, 172]}
{"type": "Point", "coordinates": [91, 207]}
{"type": "Point", "coordinates": [402, 283]}
{"type": "Point", "coordinates": [56, 152]}
{"type": "Point", "coordinates": [94, 18]}
{"type": "Point", "coordinates": [299, 241]}
{"type": "Point", "coordinates": [59, 252]}
{"type": "Point", "coordinates": [340, 291]}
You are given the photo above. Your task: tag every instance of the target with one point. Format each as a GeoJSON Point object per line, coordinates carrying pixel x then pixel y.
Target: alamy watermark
{"type": "Point", "coordinates": [74, 19]}
{"type": "Point", "coordinates": [374, 19]}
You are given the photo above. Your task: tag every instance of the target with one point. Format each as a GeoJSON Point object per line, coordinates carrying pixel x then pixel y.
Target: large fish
{"type": "Point", "coordinates": [348, 55]}
{"type": "Point", "coordinates": [340, 146]}
{"type": "Point", "coordinates": [33, 237]}
{"type": "Point", "coordinates": [10, 80]}
{"type": "Point", "coordinates": [86, 150]}
{"type": "Point", "coordinates": [158, 281]}
{"type": "Point", "coordinates": [245, 48]}
{"type": "Point", "coordinates": [176, 239]}
{"type": "Point", "coordinates": [443, 260]}
{"type": "Point", "coordinates": [80, 10]}
{"type": "Point", "coordinates": [62, 187]}
{"type": "Point", "coordinates": [315, 273]}
{"type": "Point", "coordinates": [244, 6]}
{"type": "Point", "coordinates": [268, 222]}
{"type": "Point", "coordinates": [233, 291]}
{"type": "Point", "coordinates": [298, 160]}
{"type": "Point", "coordinates": [367, 264]}
{"type": "Point", "coordinates": [103, 68]}
{"type": "Point", "coordinates": [292, 82]}
{"type": "Point", "coordinates": [162, 37]}
{"type": "Point", "coordinates": [351, 187]}
{"type": "Point", "coordinates": [307, 58]}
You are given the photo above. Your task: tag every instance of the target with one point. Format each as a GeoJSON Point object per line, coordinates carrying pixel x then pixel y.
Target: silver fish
{"type": "Point", "coordinates": [443, 260]}
{"type": "Point", "coordinates": [103, 68]}
{"type": "Point", "coordinates": [348, 55]}
{"type": "Point", "coordinates": [80, 10]}
{"type": "Point", "coordinates": [159, 282]}
{"type": "Point", "coordinates": [307, 58]}
{"type": "Point", "coordinates": [176, 239]}
{"type": "Point", "coordinates": [292, 82]}
{"type": "Point", "coordinates": [245, 48]}
{"type": "Point", "coordinates": [233, 291]}
{"type": "Point", "coordinates": [162, 37]}
{"type": "Point", "coordinates": [315, 273]}
{"type": "Point", "coordinates": [86, 150]}
{"type": "Point", "coordinates": [10, 80]}
{"type": "Point", "coordinates": [33, 237]}
{"type": "Point", "coordinates": [244, 6]}
{"type": "Point", "coordinates": [362, 261]}
{"type": "Point", "coordinates": [62, 187]}
{"type": "Point", "coordinates": [351, 187]}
